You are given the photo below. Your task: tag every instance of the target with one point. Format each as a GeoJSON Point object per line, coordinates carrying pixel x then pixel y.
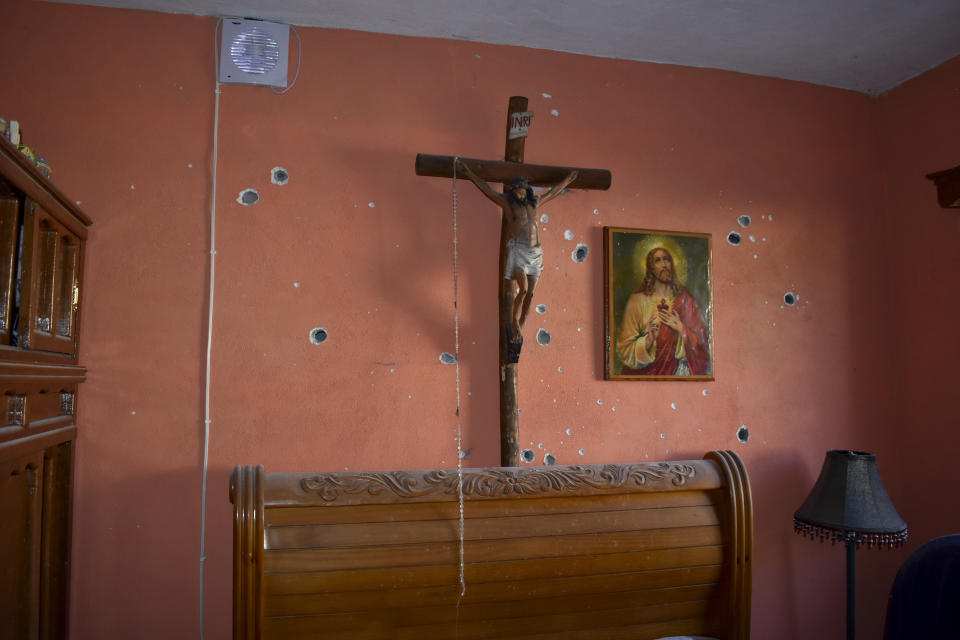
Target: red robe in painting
{"type": "Point", "coordinates": [695, 341]}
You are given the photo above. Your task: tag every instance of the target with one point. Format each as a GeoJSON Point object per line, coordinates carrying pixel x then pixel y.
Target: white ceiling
{"type": "Point", "coordinates": [864, 45]}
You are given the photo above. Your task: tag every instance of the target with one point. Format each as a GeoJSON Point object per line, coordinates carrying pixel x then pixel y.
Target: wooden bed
{"type": "Point", "coordinates": [642, 550]}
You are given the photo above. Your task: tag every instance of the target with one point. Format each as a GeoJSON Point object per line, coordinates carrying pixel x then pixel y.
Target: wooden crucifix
{"type": "Point", "coordinates": [513, 304]}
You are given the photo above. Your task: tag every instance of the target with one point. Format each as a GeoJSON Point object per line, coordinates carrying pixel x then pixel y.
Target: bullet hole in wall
{"type": "Point", "coordinates": [248, 197]}
{"type": "Point", "coordinates": [744, 221]}
{"type": "Point", "coordinates": [527, 455]}
{"type": "Point", "coordinates": [318, 335]}
{"type": "Point", "coordinates": [279, 175]}
{"type": "Point", "coordinates": [580, 253]}
{"type": "Point", "coordinates": [541, 308]}
{"type": "Point", "coordinates": [789, 299]}
{"type": "Point", "coordinates": [549, 460]}
{"type": "Point", "coordinates": [743, 434]}
{"type": "Point", "coordinates": [448, 358]}
{"type": "Point", "coordinates": [543, 337]}
{"type": "Point", "coordinates": [734, 238]}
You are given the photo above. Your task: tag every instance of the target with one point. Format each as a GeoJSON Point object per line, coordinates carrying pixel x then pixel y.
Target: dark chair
{"type": "Point", "coordinates": [925, 599]}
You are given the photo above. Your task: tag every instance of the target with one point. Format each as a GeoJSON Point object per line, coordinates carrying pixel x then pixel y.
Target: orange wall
{"type": "Point", "coordinates": [121, 103]}
{"type": "Point", "coordinates": [920, 134]}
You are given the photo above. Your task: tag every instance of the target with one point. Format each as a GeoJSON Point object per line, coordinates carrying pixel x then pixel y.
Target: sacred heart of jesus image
{"type": "Point", "coordinates": [658, 305]}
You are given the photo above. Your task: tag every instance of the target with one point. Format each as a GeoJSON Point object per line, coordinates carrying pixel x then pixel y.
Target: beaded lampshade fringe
{"type": "Point", "coordinates": [859, 538]}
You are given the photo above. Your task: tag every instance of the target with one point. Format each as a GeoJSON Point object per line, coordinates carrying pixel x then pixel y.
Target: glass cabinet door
{"type": "Point", "coordinates": [49, 283]}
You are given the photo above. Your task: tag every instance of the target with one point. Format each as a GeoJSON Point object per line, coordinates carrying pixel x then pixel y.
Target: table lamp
{"type": "Point", "coordinates": [849, 504]}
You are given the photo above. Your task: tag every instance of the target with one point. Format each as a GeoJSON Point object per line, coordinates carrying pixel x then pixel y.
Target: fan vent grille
{"type": "Point", "coordinates": [254, 51]}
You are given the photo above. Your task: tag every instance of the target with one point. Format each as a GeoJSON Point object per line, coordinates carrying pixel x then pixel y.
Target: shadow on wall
{"type": "Point", "coordinates": [779, 482]}
{"type": "Point", "coordinates": [414, 241]}
{"type": "Point", "coordinates": [139, 536]}
{"type": "Point", "coordinates": [218, 576]}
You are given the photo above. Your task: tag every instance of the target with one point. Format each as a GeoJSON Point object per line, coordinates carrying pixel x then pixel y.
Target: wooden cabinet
{"type": "Point", "coordinates": [42, 237]}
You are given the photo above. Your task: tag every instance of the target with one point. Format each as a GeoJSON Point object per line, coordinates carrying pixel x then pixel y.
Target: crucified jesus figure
{"type": "Point", "coordinates": [525, 254]}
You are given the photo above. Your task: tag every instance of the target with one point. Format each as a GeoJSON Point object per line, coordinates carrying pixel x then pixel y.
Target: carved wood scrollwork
{"type": "Point", "coordinates": [498, 482]}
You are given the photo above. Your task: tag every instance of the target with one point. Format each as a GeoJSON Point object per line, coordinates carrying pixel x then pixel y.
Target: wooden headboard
{"type": "Point", "coordinates": [640, 550]}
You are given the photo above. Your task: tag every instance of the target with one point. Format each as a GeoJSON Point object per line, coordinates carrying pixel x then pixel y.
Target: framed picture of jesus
{"type": "Point", "coordinates": [658, 305]}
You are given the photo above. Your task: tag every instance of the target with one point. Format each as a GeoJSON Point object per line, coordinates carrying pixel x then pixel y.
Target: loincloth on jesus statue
{"type": "Point", "coordinates": [524, 257]}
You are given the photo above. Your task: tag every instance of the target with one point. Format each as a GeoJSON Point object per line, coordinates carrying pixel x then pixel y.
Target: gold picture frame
{"type": "Point", "coordinates": [658, 305]}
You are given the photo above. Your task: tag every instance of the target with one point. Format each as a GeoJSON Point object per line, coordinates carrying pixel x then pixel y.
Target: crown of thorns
{"type": "Point", "coordinates": [519, 183]}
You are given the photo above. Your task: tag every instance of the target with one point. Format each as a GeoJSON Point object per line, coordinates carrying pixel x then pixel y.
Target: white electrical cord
{"type": "Point", "coordinates": [299, 55]}
{"type": "Point", "coordinates": [213, 254]}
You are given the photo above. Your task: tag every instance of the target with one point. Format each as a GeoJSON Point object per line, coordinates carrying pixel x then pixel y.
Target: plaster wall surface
{"type": "Point", "coordinates": [123, 109]}
{"type": "Point", "coordinates": [919, 135]}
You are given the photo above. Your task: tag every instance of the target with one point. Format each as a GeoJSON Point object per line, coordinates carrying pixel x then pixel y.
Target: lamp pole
{"type": "Point", "coordinates": [851, 589]}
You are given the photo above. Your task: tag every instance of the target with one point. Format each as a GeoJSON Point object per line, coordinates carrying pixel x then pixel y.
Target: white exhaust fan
{"type": "Point", "coordinates": [254, 52]}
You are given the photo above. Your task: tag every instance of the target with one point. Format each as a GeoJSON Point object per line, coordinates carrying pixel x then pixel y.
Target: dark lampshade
{"type": "Point", "coordinates": [850, 503]}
